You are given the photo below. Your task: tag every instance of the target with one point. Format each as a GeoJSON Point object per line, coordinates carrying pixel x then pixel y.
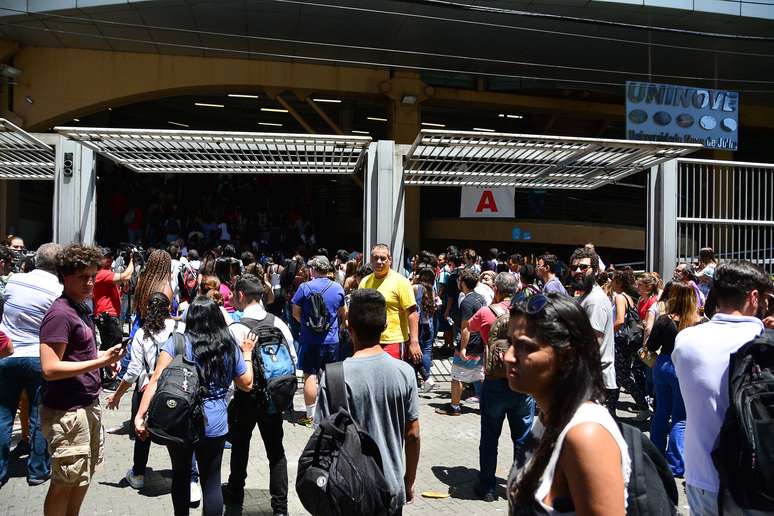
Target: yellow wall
{"type": "Point", "coordinates": [495, 230]}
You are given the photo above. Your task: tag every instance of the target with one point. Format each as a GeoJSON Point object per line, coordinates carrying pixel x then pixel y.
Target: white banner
{"type": "Point", "coordinates": [488, 202]}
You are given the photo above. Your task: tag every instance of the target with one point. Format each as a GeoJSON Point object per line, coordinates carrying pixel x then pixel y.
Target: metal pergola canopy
{"type": "Point", "coordinates": [165, 151]}
{"type": "Point", "coordinates": [487, 159]}
{"type": "Point", "coordinates": [22, 156]}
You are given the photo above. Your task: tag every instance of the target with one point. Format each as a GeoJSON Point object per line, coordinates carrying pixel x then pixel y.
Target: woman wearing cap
{"type": "Point", "coordinates": [580, 463]}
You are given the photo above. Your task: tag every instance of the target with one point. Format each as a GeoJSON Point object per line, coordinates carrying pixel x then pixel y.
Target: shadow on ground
{"type": "Point", "coordinates": [461, 481]}
{"type": "Point", "coordinates": [157, 483]}
{"type": "Point", "coordinates": [256, 503]}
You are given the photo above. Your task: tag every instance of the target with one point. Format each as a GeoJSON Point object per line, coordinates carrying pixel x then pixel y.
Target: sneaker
{"type": "Point", "coordinates": [449, 411]}
{"type": "Point", "coordinates": [488, 496]}
{"type": "Point", "coordinates": [306, 421]}
{"type": "Point", "coordinates": [428, 385]}
{"type": "Point", "coordinates": [232, 496]}
{"type": "Point", "coordinates": [196, 494]}
{"type": "Point", "coordinates": [32, 482]}
{"type": "Point", "coordinates": [136, 481]}
{"type": "Point", "coordinates": [473, 400]}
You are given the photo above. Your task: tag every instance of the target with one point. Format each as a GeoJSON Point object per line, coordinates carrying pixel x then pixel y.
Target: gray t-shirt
{"type": "Point", "coordinates": [600, 311]}
{"type": "Point", "coordinates": [382, 398]}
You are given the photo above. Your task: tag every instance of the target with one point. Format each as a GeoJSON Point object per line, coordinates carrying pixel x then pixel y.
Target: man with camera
{"type": "Point", "coordinates": [107, 299]}
{"type": "Point", "coordinates": [27, 299]}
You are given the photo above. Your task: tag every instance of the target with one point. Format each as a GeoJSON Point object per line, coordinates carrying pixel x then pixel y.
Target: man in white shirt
{"type": "Point", "coordinates": [701, 359]}
{"type": "Point", "coordinates": [27, 298]}
{"type": "Point", "coordinates": [584, 264]}
{"type": "Point", "coordinates": [244, 412]}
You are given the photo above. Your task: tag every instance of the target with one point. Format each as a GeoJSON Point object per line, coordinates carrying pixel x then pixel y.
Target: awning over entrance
{"type": "Point", "coordinates": [22, 156]}
{"type": "Point", "coordinates": [164, 151]}
{"type": "Point", "coordinates": [462, 158]}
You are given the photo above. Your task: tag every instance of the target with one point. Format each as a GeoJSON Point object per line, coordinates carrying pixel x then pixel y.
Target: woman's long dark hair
{"type": "Point", "coordinates": [426, 278]}
{"type": "Point", "coordinates": [627, 281]}
{"type": "Point", "coordinates": [211, 342]}
{"type": "Point", "coordinates": [563, 325]}
{"type": "Point", "coordinates": [156, 312]}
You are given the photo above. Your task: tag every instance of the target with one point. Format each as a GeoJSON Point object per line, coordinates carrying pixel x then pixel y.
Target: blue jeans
{"type": "Point", "coordinates": [669, 417]}
{"type": "Point", "coordinates": [17, 374]}
{"type": "Point", "coordinates": [499, 402]}
{"type": "Point", "coordinates": [426, 338]}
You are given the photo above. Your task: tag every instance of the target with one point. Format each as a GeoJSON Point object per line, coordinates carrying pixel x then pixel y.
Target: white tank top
{"type": "Point", "coordinates": [586, 413]}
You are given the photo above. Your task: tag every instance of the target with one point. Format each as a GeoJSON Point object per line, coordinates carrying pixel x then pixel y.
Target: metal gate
{"type": "Point", "coordinates": [728, 206]}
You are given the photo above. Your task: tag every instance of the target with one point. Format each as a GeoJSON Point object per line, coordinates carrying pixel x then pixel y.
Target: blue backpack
{"type": "Point", "coordinates": [274, 371]}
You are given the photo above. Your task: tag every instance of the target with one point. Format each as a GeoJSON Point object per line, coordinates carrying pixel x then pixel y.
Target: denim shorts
{"type": "Point", "coordinates": [312, 358]}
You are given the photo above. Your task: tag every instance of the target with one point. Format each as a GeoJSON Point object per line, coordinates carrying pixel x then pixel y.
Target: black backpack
{"type": "Point", "coordinates": [175, 415]}
{"type": "Point", "coordinates": [274, 373]}
{"type": "Point", "coordinates": [340, 471]}
{"type": "Point", "coordinates": [744, 450]}
{"type": "Point", "coordinates": [629, 337]}
{"type": "Point", "coordinates": [652, 490]}
{"type": "Point", "coordinates": [318, 319]}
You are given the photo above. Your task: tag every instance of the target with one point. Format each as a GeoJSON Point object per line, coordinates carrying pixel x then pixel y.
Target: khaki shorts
{"type": "Point", "coordinates": [76, 442]}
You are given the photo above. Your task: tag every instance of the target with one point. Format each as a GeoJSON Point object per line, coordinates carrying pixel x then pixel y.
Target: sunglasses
{"type": "Point", "coordinates": [582, 266]}
{"type": "Point", "coordinates": [534, 305]}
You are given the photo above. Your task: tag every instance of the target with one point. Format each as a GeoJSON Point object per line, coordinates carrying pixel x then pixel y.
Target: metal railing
{"type": "Point", "coordinates": [728, 206]}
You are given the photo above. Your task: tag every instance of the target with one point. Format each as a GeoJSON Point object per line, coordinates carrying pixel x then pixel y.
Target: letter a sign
{"type": "Point", "coordinates": [488, 202]}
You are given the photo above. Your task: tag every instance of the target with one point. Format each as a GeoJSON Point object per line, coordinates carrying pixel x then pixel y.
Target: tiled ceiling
{"type": "Point", "coordinates": [370, 33]}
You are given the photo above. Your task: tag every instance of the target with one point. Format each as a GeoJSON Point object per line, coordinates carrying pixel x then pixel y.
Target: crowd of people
{"type": "Point", "coordinates": [544, 343]}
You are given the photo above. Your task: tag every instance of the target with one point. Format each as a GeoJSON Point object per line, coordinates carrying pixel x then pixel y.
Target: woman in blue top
{"type": "Point", "coordinates": [210, 345]}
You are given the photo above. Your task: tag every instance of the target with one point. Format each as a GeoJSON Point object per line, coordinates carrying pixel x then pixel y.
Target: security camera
{"type": "Point", "coordinates": [10, 71]}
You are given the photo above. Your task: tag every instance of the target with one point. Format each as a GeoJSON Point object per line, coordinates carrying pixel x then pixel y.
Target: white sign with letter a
{"type": "Point", "coordinates": [488, 202]}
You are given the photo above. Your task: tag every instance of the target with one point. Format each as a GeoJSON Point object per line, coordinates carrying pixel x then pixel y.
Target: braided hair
{"type": "Point", "coordinates": [156, 312]}
{"type": "Point", "coordinates": [154, 277]}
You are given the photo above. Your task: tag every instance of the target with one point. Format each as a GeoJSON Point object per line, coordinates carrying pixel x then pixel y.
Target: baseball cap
{"type": "Point", "coordinates": [320, 263]}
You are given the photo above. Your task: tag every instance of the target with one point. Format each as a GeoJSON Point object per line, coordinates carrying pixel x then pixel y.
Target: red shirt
{"type": "Point", "coordinates": [644, 304]}
{"type": "Point", "coordinates": [3, 341]}
{"type": "Point", "coordinates": [106, 295]}
{"type": "Point", "coordinates": [483, 319]}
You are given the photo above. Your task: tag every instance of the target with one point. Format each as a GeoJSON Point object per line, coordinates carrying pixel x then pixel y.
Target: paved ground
{"type": "Point", "coordinates": [448, 463]}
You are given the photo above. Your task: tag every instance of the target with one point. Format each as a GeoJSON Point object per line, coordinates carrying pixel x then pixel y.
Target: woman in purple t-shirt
{"type": "Point", "coordinates": [209, 344]}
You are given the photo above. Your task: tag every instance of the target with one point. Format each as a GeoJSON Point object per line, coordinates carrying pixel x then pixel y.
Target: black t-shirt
{"type": "Point", "coordinates": [453, 290]}
{"type": "Point", "coordinates": [472, 303]}
{"type": "Point", "coordinates": [663, 335]}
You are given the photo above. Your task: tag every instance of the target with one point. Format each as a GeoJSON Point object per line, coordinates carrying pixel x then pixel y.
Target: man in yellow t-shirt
{"type": "Point", "coordinates": [402, 315]}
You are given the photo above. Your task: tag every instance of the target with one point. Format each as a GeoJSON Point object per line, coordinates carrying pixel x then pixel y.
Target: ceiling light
{"type": "Point", "coordinates": [205, 104]}
{"type": "Point", "coordinates": [329, 101]}
{"type": "Point", "coordinates": [376, 119]}
{"type": "Point", "coordinates": [483, 129]}
{"type": "Point", "coordinates": [273, 110]}
{"type": "Point", "coordinates": [517, 117]}
{"type": "Point", "coordinates": [29, 99]}
{"type": "Point", "coordinates": [110, 109]}
{"type": "Point", "coordinates": [179, 124]}
{"type": "Point", "coordinates": [408, 99]}
{"type": "Point", "coordinates": [10, 71]}
{"type": "Point", "coordinates": [76, 120]}
{"type": "Point", "coordinates": [241, 96]}
{"type": "Point", "coordinates": [271, 124]}
{"type": "Point", "coordinates": [361, 132]}
{"type": "Point", "coordinates": [430, 124]}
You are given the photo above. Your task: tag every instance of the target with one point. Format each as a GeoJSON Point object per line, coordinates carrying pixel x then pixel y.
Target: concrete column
{"type": "Point", "coordinates": [383, 200]}
{"type": "Point", "coordinates": [661, 238]}
{"type": "Point", "coordinates": [406, 92]}
{"type": "Point", "coordinates": [74, 196]}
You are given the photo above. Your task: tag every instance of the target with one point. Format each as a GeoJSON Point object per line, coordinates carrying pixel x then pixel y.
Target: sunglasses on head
{"type": "Point", "coordinates": [534, 305]}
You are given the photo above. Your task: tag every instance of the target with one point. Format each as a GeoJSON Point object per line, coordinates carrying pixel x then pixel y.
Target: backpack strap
{"type": "Point", "coordinates": [337, 389]}
{"type": "Point", "coordinates": [179, 340]}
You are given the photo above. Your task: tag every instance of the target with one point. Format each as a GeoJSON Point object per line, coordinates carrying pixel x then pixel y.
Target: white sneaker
{"type": "Point", "coordinates": [196, 494]}
{"type": "Point", "coordinates": [136, 481]}
{"type": "Point", "coordinates": [428, 385]}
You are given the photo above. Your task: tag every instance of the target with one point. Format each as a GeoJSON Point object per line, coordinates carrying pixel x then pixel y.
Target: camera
{"type": "Point", "coordinates": [21, 256]}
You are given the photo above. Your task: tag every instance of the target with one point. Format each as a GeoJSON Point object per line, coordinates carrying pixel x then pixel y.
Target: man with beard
{"type": "Point", "coordinates": [584, 264]}
{"type": "Point", "coordinates": [701, 360]}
